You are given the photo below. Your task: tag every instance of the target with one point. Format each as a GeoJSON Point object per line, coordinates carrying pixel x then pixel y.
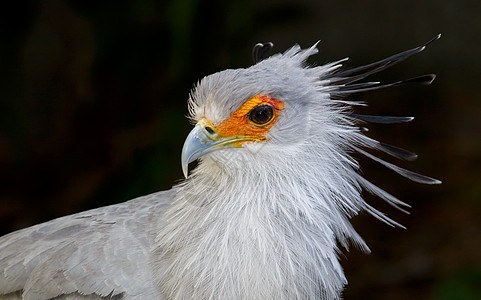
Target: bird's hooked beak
{"type": "Point", "coordinates": [204, 139]}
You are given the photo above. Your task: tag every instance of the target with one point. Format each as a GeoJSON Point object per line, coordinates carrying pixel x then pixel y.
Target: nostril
{"type": "Point", "coordinates": [209, 130]}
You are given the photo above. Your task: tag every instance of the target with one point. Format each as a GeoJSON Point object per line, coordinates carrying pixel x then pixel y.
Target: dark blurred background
{"type": "Point", "coordinates": [93, 97]}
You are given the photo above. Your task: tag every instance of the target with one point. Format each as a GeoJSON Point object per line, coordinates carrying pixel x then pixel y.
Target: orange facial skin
{"type": "Point", "coordinates": [238, 124]}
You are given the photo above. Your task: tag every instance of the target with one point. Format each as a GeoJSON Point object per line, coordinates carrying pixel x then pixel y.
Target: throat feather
{"type": "Point", "coordinates": [246, 242]}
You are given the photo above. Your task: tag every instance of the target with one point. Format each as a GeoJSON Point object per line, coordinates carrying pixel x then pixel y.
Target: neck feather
{"type": "Point", "coordinates": [247, 233]}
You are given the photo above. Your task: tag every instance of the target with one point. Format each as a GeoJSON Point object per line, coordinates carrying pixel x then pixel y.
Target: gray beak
{"type": "Point", "coordinates": [204, 139]}
{"type": "Point", "coordinates": [196, 145]}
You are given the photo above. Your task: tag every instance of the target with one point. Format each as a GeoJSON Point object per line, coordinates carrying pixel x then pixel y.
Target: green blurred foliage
{"type": "Point", "coordinates": [93, 98]}
{"type": "Point", "coordinates": [465, 284]}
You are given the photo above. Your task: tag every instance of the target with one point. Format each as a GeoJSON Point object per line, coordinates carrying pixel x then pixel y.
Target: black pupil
{"type": "Point", "coordinates": [209, 130]}
{"type": "Point", "coordinates": [261, 114]}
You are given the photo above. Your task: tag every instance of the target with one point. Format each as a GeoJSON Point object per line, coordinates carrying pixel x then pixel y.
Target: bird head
{"type": "Point", "coordinates": [268, 109]}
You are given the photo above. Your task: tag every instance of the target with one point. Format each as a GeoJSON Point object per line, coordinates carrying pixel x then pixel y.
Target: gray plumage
{"type": "Point", "coordinates": [97, 252]}
{"type": "Point", "coordinates": [257, 220]}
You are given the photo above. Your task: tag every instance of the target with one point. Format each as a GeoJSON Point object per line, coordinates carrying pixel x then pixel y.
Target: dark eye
{"type": "Point", "coordinates": [261, 114]}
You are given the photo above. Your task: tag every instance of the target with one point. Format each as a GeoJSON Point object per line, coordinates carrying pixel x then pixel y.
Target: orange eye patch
{"type": "Point", "coordinates": [253, 119]}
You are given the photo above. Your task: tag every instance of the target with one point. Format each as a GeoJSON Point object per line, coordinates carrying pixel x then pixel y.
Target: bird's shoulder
{"type": "Point", "coordinates": [100, 252]}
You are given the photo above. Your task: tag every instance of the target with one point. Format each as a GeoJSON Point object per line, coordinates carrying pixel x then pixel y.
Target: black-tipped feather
{"type": "Point", "coordinates": [369, 86]}
{"type": "Point", "coordinates": [381, 119]}
{"type": "Point", "coordinates": [358, 73]}
{"type": "Point", "coordinates": [375, 190]}
{"type": "Point", "coordinates": [397, 152]}
{"type": "Point", "coordinates": [403, 172]}
{"type": "Point", "coordinates": [389, 149]}
{"type": "Point", "coordinates": [259, 50]}
{"type": "Point", "coordinates": [423, 79]}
